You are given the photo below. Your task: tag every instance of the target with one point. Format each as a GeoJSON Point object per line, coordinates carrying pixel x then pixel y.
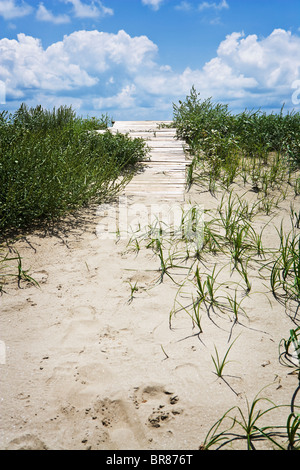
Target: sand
{"type": "Point", "coordinates": [85, 366]}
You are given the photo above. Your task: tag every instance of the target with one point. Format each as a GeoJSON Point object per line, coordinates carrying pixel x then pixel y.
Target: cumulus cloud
{"type": "Point", "coordinates": [81, 60]}
{"type": "Point", "coordinates": [124, 99]}
{"type": "Point", "coordinates": [274, 61]}
{"type": "Point", "coordinates": [120, 73]}
{"type": "Point", "coordinates": [246, 72]}
{"type": "Point", "coordinates": [94, 9]}
{"type": "Point", "coordinates": [43, 14]}
{"type": "Point", "coordinates": [25, 66]}
{"type": "Point", "coordinates": [10, 9]}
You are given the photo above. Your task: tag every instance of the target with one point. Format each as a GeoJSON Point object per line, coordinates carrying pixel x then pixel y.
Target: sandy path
{"type": "Point", "coordinates": [86, 368]}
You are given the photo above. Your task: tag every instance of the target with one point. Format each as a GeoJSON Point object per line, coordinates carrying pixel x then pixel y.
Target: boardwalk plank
{"type": "Point", "coordinates": [164, 173]}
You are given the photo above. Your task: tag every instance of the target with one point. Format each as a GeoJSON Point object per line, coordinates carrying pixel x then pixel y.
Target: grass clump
{"type": "Point", "coordinates": [221, 363]}
{"type": "Point", "coordinates": [285, 271]}
{"type": "Point", "coordinates": [211, 126]}
{"type": "Point", "coordinates": [245, 426]}
{"type": "Point", "coordinates": [262, 149]}
{"type": "Point", "coordinates": [53, 162]}
{"type": "Point", "coordinates": [257, 154]}
{"type": "Point", "coordinates": [11, 266]}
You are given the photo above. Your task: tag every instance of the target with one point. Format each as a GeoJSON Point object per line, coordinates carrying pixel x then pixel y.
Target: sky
{"type": "Point", "coordinates": [134, 59]}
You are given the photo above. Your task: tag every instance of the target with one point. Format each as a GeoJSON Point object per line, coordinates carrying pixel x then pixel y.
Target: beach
{"type": "Point", "coordinates": [91, 363]}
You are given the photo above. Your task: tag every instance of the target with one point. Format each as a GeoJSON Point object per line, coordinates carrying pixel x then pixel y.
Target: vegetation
{"type": "Point", "coordinates": [246, 425]}
{"type": "Point", "coordinates": [255, 145]}
{"type": "Point", "coordinates": [263, 151]}
{"type": "Point", "coordinates": [258, 154]}
{"type": "Point", "coordinates": [53, 162]}
{"type": "Point", "coordinates": [213, 129]}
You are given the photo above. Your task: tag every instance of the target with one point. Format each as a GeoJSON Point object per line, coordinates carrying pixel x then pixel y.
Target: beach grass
{"type": "Point", "coordinates": [253, 150]}
{"type": "Point", "coordinates": [261, 152]}
{"type": "Point", "coordinates": [52, 162]}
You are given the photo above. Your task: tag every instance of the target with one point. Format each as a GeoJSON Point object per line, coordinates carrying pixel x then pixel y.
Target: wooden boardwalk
{"type": "Point", "coordinates": [164, 175]}
{"type": "Point", "coordinates": [157, 192]}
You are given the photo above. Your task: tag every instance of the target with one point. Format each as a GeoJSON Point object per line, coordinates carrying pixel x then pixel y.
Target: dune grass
{"type": "Point", "coordinates": [53, 162]}
{"type": "Point", "coordinates": [262, 152]}
{"type": "Point", "coordinates": [259, 151]}
{"type": "Point", "coordinates": [262, 148]}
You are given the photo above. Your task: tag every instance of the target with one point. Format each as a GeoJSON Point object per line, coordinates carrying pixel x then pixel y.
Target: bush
{"type": "Point", "coordinates": [212, 128]}
{"type": "Point", "coordinates": [53, 162]}
{"type": "Point", "coordinates": [195, 119]}
{"type": "Point", "coordinates": [38, 118]}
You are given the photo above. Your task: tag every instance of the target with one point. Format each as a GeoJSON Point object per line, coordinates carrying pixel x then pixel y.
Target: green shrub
{"type": "Point", "coordinates": [194, 119]}
{"type": "Point", "coordinates": [53, 162]}
{"type": "Point", "coordinates": [211, 128]}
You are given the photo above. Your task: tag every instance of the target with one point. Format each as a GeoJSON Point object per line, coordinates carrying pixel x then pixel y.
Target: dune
{"type": "Point", "coordinates": [90, 359]}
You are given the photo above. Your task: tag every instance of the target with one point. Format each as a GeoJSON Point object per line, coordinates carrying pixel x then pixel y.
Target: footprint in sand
{"type": "Point", "coordinates": [119, 418]}
{"type": "Point", "coordinates": [40, 277]}
{"type": "Point", "coordinates": [83, 312]}
{"type": "Point", "coordinates": [80, 327]}
{"type": "Point", "coordinates": [77, 427]}
{"type": "Point", "coordinates": [143, 280]}
{"type": "Point", "coordinates": [102, 424]}
{"type": "Point", "coordinates": [79, 333]}
{"type": "Point", "coordinates": [69, 375]}
{"type": "Point", "coordinates": [157, 404]}
{"type": "Point", "coordinates": [114, 342]}
{"type": "Point", "coordinates": [26, 442]}
{"type": "Point", "coordinates": [189, 372]}
{"type": "Point", "coordinates": [93, 375]}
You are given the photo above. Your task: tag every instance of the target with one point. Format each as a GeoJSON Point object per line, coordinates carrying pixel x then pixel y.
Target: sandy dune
{"type": "Point", "coordinates": [88, 367]}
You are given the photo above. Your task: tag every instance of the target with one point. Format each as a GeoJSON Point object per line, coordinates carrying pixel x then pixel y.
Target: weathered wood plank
{"type": "Point", "coordinates": [164, 175]}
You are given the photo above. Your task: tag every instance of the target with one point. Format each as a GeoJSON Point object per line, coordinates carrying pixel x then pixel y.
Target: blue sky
{"type": "Point", "coordinates": [132, 59]}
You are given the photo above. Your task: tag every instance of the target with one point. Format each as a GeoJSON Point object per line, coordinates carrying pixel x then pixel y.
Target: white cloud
{"type": "Point", "coordinates": [79, 61]}
{"type": "Point", "coordinates": [43, 14]}
{"type": "Point", "coordinates": [29, 67]}
{"type": "Point", "coordinates": [120, 73]}
{"type": "Point", "coordinates": [214, 6]}
{"type": "Point", "coordinates": [247, 72]}
{"type": "Point", "coordinates": [274, 61]}
{"type": "Point", "coordinates": [94, 9]}
{"type": "Point", "coordinates": [98, 52]}
{"type": "Point", "coordinates": [9, 9]}
{"type": "Point", "coordinates": [124, 99]}
{"type": "Point", "coordinates": [154, 4]}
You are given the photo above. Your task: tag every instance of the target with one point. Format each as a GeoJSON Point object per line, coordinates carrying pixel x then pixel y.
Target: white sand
{"type": "Point", "coordinates": [82, 367]}
{"type": "Point", "coordinates": [86, 369]}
